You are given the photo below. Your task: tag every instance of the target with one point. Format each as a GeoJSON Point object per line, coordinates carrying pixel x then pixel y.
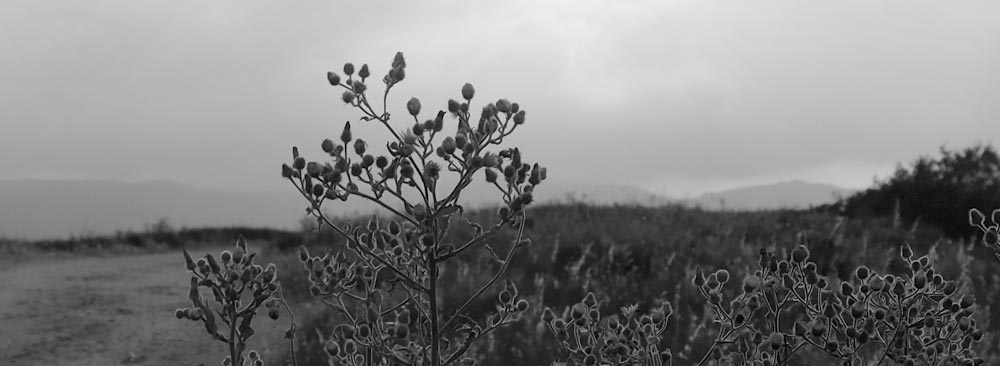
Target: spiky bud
{"type": "Point", "coordinates": [364, 73]}
{"type": "Point", "coordinates": [349, 69]}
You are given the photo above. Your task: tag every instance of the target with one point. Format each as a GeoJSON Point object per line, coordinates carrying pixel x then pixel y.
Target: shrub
{"type": "Point", "coordinates": [935, 191]}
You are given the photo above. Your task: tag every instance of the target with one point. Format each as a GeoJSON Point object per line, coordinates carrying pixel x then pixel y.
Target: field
{"type": "Point", "coordinates": [114, 304]}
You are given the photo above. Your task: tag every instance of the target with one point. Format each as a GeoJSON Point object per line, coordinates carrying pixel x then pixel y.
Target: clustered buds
{"type": "Point", "coordinates": [627, 338]}
{"type": "Point", "coordinates": [917, 317]}
{"type": "Point", "coordinates": [990, 230]}
{"type": "Point", "coordinates": [239, 287]}
{"type": "Point", "coordinates": [406, 252]}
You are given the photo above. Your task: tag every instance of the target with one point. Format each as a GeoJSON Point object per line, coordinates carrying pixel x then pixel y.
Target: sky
{"type": "Point", "coordinates": [678, 97]}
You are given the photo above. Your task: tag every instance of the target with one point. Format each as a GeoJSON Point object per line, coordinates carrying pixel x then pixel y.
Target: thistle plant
{"type": "Point", "coordinates": [387, 280]}
{"type": "Point", "coordinates": [239, 288]}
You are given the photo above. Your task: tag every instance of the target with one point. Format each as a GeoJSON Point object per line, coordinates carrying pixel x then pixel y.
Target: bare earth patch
{"type": "Point", "coordinates": [104, 311]}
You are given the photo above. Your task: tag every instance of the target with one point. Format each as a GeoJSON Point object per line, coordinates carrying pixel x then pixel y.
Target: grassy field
{"type": "Point", "coordinates": [626, 255]}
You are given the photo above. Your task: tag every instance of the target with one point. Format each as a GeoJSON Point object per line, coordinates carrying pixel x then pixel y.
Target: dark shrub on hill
{"type": "Point", "coordinates": [935, 191]}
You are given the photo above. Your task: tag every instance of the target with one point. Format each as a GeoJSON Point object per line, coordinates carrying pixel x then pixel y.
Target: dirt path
{"type": "Point", "coordinates": [103, 311]}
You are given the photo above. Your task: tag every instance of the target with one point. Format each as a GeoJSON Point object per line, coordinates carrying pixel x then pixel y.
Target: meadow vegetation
{"type": "Point", "coordinates": [429, 283]}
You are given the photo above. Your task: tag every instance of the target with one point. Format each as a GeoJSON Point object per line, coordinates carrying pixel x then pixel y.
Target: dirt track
{"type": "Point", "coordinates": [103, 311]}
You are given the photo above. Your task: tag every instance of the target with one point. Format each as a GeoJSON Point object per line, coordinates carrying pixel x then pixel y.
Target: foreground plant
{"type": "Point", "coordinates": [239, 288]}
{"type": "Point", "coordinates": [387, 281]}
{"type": "Point", "coordinates": [990, 230]}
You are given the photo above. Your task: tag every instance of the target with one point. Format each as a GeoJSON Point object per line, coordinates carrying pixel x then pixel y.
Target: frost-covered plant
{"type": "Point", "coordinates": [239, 288]}
{"type": "Point", "coordinates": [387, 281]}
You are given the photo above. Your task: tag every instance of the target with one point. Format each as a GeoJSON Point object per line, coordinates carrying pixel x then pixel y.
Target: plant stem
{"type": "Point", "coordinates": [432, 296]}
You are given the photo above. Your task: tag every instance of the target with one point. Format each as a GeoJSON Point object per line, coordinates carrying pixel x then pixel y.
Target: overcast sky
{"type": "Point", "coordinates": [678, 97]}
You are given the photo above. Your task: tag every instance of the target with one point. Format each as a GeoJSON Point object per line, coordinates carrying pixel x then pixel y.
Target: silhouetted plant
{"type": "Point", "coordinates": [239, 288]}
{"type": "Point", "coordinates": [387, 281]}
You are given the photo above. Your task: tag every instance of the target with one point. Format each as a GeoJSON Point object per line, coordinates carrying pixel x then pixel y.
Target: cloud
{"type": "Point", "coordinates": [208, 93]}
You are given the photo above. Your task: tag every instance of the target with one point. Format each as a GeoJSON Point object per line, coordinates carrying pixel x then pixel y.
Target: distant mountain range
{"type": "Point", "coordinates": [61, 208]}
{"type": "Point", "coordinates": [791, 194]}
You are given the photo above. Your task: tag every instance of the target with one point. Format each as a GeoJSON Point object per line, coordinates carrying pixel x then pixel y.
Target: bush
{"type": "Point", "coordinates": [935, 191]}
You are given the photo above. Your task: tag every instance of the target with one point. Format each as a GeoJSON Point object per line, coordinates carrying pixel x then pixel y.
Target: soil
{"type": "Point", "coordinates": [105, 311]}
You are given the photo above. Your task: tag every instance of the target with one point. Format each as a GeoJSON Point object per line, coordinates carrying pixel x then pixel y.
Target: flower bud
{"type": "Point", "coordinates": [359, 87]}
{"type": "Point", "coordinates": [438, 123]}
{"type": "Point", "coordinates": [503, 105]}
{"type": "Point", "coordinates": [453, 106]}
{"type": "Point", "coordinates": [519, 118]}
{"type": "Point", "coordinates": [333, 78]}
{"type": "Point", "coordinates": [413, 106]}
{"type": "Point", "coordinates": [491, 175]}
{"type": "Point", "coordinates": [398, 60]}
{"type": "Point", "coordinates": [905, 251]}
{"type": "Point", "coordinates": [468, 91]}
{"type": "Point", "coordinates": [287, 171]}
{"type": "Point", "coordinates": [976, 218]}
{"type": "Point", "coordinates": [364, 73]}
{"type": "Point", "coordinates": [349, 69]}
{"type": "Point", "coordinates": [347, 97]}
{"type": "Point", "coordinates": [800, 254]}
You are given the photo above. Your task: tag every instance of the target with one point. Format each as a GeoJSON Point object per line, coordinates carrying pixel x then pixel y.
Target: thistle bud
{"type": "Point", "coordinates": [367, 161]}
{"type": "Point", "coordinates": [861, 273]}
{"type": "Point", "coordinates": [364, 73]}
{"type": "Point", "coordinates": [356, 169]}
{"type": "Point", "coordinates": [448, 145]}
{"type": "Point", "coordinates": [503, 105]}
{"type": "Point", "coordinates": [349, 69]}
{"type": "Point", "coordinates": [438, 123]}
{"type": "Point", "coordinates": [413, 106]}
{"type": "Point", "coordinates": [333, 78]}
{"type": "Point", "coordinates": [287, 171]}
{"type": "Point", "coordinates": [398, 60]}
{"type": "Point", "coordinates": [313, 169]}
{"type": "Point", "coordinates": [453, 106]}
{"type": "Point", "coordinates": [468, 91]}
{"type": "Point", "coordinates": [347, 97]}
{"type": "Point", "coordinates": [461, 140]}
{"type": "Point", "coordinates": [381, 162]}
{"type": "Point", "coordinates": [419, 212]}
{"type": "Point", "coordinates": [800, 254]}
{"type": "Point", "coordinates": [519, 118]}
{"type": "Point", "coordinates": [976, 218]}
{"type": "Point", "coordinates": [418, 129]}
{"type": "Point", "coordinates": [491, 175]}
{"type": "Point", "coordinates": [359, 87]}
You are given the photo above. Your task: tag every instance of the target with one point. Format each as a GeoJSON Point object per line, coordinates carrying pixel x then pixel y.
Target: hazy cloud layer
{"type": "Point", "coordinates": [675, 96]}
